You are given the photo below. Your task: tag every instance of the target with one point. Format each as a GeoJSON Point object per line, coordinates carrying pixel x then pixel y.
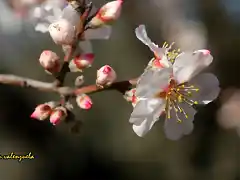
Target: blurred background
{"type": "Point", "coordinates": [106, 148]}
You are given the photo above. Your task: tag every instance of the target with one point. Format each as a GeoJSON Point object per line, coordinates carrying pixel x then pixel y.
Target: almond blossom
{"type": "Point", "coordinates": [172, 89]}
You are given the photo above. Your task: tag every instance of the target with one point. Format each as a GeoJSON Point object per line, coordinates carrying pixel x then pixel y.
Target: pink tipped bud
{"type": "Point", "coordinates": [62, 32]}
{"type": "Point", "coordinates": [107, 14]}
{"type": "Point", "coordinates": [41, 112]}
{"type": "Point", "coordinates": [50, 61]}
{"type": "Point", "coordinates": [84, 101]}
{"type": "Point", "coordinates": [58, 115]}
{"type": "Point", "coordinates": [81, 62]}
{"type": "Point", "coordinates": [106, 76]}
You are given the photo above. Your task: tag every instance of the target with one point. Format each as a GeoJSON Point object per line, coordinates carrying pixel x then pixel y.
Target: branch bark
{"type": "Point", "coordinates": [121, 86]}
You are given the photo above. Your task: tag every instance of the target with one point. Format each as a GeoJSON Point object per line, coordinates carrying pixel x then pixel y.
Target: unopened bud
{"type": "Point", "coordinates": [107, 14]}
{"type": "Point", "coordinates": [79, 81]}
{"type": "Point", "coordinates": [84, 101]}
{"type": "Point", "coordinates": [50, 61]}
{"type": "Point", "coordinates": [41, 112]}
{"type": "Point", "coordinates": [58, 115]}
{"type": "Point", "coordinates": [81, 62]}
{"type": "Point", "coordinates": [106, 76]}
{"type": "Point", "coordinates": [62, 32]}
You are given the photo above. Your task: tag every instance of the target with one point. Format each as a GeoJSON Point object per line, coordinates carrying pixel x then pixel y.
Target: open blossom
{"type": "Point", "coordinates": [172, 89]}
{"type": "Point", "coordinates": [62, 32]}
{"type": "Point", "coordinates": [81, 62]}
{"type": "Point", "coordinates": [50, 61]}
{"type": "Point", "coordinates": [107, 14]}
{"type": "Point", "coordinates": [84, 101]}
{"type": "Point", "coordinates": [58, 115]}
{"type": "Point", "coordinates": [106, 76]}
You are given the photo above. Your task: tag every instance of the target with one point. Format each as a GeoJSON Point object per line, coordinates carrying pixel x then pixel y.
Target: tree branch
{"type": "Point", "coordinates": [121, 86]}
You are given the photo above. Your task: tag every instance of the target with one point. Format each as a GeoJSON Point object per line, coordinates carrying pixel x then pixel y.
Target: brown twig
{"type": "Point", "coordinates": [121, 86]}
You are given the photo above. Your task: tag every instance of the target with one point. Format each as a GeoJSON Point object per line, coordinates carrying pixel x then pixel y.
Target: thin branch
{"type": "Point", "coordinates": [121, 86]}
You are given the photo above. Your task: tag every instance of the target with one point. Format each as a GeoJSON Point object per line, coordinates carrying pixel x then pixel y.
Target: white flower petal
{"type": "Point", "coordinates": [153, 81]}
{"type": "Point", "coordinates": [141, 34]}
{"type": "Point", "coordinates": [146, 107]}
{"type": "Point", "coordinates": [188, 64]}
{"type": "Point", "coordinates": [57, 12]}
{"type": "Point", "coordinates": [175, 130]}
{"type": "Point", "coordinates": [48, 7]}
{"type": "Point", "coordinates": [37, 12]}
{"type": "Point", "coordinates": [145, 126]}
{"type": "Point", "coordinates": [144, 122]}
{"type": "Point", "coordinates": [103, 32]}
{"type": "Point", "coordinates": [71, 15]}
{"type": "Point", "coordinates": [50, 19]}
{"type": "Point", "coordinates": [42, 27]}
{"type": "Point", "coordinates": [208, 85]}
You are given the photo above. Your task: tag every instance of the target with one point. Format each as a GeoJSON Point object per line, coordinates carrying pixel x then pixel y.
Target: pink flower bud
{"type": "Point", "coordinates": [58, 115]}
{"type": "Point", "coordinates": [41, 112]}
{"type": "Point", "coordinates": [62, 32]}
{"type": "Point", "coordinates": [81, 62]}
{"type": "Point", "coordinates": [106, 76]}
{"type": "Point", "coordinates": [50, 61]}
{"type": "Point", "coordinates": [107, 14]}
{"type": "Point", "coordinates": [84, 101]}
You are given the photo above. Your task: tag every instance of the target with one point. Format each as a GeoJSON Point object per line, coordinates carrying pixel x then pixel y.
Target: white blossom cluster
{"type": "Point", "coordinates": [171, 85]}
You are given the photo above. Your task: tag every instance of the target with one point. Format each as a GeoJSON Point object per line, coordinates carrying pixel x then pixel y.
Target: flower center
{"type": "Point", "coordinates": [175, 94]}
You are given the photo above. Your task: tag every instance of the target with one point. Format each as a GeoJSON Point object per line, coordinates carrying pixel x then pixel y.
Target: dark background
{"type": "Point", "coordinates": [106, 147]}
